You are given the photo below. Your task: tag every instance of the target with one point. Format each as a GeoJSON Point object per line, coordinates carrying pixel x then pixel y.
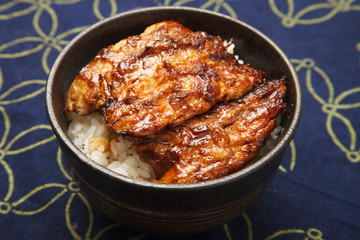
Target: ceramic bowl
{"type": "Point", "coordinates": [172, 208]}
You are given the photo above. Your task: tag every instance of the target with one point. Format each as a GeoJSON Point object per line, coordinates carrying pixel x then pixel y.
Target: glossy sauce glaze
{"type": "Point", "coordinates": [218, 142]}
{"type": "Point", "coordinates": [162, 77]}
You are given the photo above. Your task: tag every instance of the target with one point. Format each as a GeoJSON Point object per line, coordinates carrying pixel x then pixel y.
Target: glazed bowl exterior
{"type": "Point", "coordinates": [172, 208]}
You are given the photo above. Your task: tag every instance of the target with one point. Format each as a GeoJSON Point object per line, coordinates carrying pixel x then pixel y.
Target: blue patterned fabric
{"type": "Point", "coordinates": [316, 192]}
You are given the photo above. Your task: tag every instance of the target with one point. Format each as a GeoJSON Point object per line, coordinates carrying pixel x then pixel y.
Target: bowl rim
{"type": "Point", "coordinates": [249, 169]}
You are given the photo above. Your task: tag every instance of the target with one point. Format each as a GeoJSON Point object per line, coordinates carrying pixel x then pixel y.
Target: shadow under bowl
{"type": "Point", "coordinates": [172, 208]}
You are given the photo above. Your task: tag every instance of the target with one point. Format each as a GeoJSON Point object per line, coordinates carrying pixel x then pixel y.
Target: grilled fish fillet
{"type": "Point", "coordinates": [218, 142]}
{"type": "Point", "coordinates": [162, 77]}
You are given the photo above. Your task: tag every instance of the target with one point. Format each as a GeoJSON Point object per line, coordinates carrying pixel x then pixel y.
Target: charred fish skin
{"type": "Point", "coordinates": [160, 78]}
{"type": "Point", "coordinates": [218, 142]}
{"type": "Point", "coordinates": [106, 61]}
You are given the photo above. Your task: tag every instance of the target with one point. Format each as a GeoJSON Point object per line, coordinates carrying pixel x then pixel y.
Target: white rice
{"type": "Point", "coordinates": [230, 49]}
{"type": "Point", "coordinates": [116, 154]}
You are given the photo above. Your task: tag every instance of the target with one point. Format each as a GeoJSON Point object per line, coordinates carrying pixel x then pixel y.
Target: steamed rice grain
{"type": "Point", "coordinates": [92, 136]}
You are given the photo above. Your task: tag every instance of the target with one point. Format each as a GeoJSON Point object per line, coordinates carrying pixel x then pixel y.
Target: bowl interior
{"type": "Point", "coordinates": [251, 45]}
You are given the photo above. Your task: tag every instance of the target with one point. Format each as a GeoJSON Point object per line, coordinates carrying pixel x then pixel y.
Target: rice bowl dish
{"type": "Point", "coordinates": [168, 210]}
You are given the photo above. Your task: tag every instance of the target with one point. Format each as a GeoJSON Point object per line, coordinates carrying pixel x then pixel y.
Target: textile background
{"type": "Point", "coordinates": [316, 192]}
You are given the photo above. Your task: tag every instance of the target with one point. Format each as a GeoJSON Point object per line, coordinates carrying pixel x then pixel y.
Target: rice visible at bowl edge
{"type": "Point", "coordinates": [92, 136]}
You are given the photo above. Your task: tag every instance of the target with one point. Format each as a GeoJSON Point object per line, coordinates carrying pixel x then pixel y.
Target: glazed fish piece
{"type": "Point", "coordinates": [84, 95]}
{"type": "Point", "coordinates": [162, 77]}
{"type": "Point", "coordinates": [218, 142]}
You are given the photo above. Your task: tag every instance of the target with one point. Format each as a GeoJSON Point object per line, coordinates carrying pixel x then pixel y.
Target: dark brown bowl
{"type": "Point", "coordinates": [172, 208]}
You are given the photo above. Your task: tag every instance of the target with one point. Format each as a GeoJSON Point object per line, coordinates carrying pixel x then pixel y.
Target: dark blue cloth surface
{"type": "Point", "coordinates": [316, 192]}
